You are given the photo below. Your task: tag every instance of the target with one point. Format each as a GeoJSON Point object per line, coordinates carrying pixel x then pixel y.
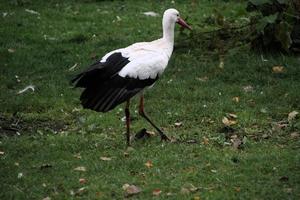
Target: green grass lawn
{"type": "Point", "coordinates": [45, 135]}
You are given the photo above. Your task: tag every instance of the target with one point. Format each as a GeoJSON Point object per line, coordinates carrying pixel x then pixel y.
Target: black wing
{"type": "Point", "coordinates": [104, 88]}
{"type": "Point", "coordinates": [100, 71]}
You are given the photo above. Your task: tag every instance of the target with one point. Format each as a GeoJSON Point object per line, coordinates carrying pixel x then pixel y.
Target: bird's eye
{"type": "Point", "coordinates": [177, 15]}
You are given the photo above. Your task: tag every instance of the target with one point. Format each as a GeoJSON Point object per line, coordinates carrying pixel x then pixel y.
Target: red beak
{"type": "Point", "coordinates": [182, 23]}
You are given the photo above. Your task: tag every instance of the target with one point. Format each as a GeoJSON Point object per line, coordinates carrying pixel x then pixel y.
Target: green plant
{"type": "Point", "coordinates": [277, 25]}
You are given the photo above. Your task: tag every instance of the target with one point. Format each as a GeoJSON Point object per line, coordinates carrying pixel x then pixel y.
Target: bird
{"type": "Point", "coordinates": [123, 73]}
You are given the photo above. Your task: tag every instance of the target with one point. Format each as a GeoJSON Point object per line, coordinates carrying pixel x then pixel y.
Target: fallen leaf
{"type": "Point", "coordinates": [125, 186]}
{"type": "Point", "coordinates": [278, 69]}
{"type": "Point", "coordinates": [156, 192]}
{"type": "Point", "coordinates": [178, 124]}
{"type": "Point", "coordinates": [169, 194]}
{"type": "Point", "coordinates": [73, 67]}
{"type": "Point", "coordinates": [80, 169]}
{"type": "Point", "coordinates": [202, 79]}
{"type": "Point", "coordinates": [292, 115]}
{"type": "Point", "coordinates": [47, 198]}
{"type": "Point", "coordinates": [205, 141]}
{"type": "Point", "coordinates": [231, 115]}
{"type": "Point", "coordinates": [152, 133]}
{"type": "Point", "coordinates": [237, 189]}
{"type": "Point", "coordinates": [221, 64]}
{"type": "Point", "coordinates": [10, 50]}
{"type": "Point", "coordinates": [131, 190]}
{"type": "Point", "coordinates": [197, 198]}
{"type": "Point", "coordinates": [1, 152]}
{"type": "Point", "coordinates": [188, 188]}
{"type": "Point", "coordinates": [20, 175]}
{"type": "Point", "coordinates": [82, 180]}
{"type": "Point", "coordinates": [80, 191]}
{"type": "Point", "coordinates": [295, 135]}
{"type": "Point", "coordinates": [236, 143]}
{"type": "Point", "coordinates": [151, 14]}
{"type": "Point", "coordinates": [279, 125]}
{"type": "Point", "coordinates": [228, 122]}
{"type": "Point", "coordinates": [105, 158]}
{"type": "Point", "coordinates": [32, 12]}
{"type": "Point", "coordinates": [236, 99]}
{"type": "Point", "coordinates": [29, 87]}
{"type": "Point", "coordinates": [149, 164]}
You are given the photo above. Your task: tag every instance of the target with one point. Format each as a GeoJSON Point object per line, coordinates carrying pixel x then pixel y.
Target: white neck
{"type": "Point", "coordinates": [168, 31]}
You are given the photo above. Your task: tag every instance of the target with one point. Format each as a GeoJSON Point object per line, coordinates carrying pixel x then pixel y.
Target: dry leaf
{"type": "Point", "coordinates": [149, 164]}
{"type": "Point", "coordinates": [151, 133]}
{"type": "Point", "coordinates": [20, 175]}
{"type": "Point", "coordinates": [292, 115]}
{"type": "Point", "coordinates": [80, 169]}
{"type": "Point", "coordinates": [188, 188]}
{"type": "Point", "coordinates": [10, 50]}
{"type": "Point", "coordinates": [236, 143]}
{"type": "Point", "coordinates": [125, 186]}
{"type": "Point", "coordinates": [205, 141]}
{"type": "Point", "coordinates": [202, 79]}
{"type": "Point", "coordinates": [228, 122]}
{"type": "Point", "coordinates": [82, 180]}
{"type": "Point", "coordinates": [236, 99]}
{"type": "Point", "coordinates": [131, 189]}
{"type": "Point", "coordinates": [80, 191]}
{"type": "Point", "coordinates": [151, 14]}
{"type": "Point", "coordinates": [29, 87]}
{"type": "Point", "coordinates": [197, 198]}
{"type": "Point", "coordinates": [73, 67]}
{"type": "Point", "coordinates": [221, 64]}
{"type": "Point", "coordinates": [278, 69]}
{"type": "Point", "coordinates": [156, 192]}
{"type": "Point", "coordinates": [47, 198]}
{"type": "Point", "coordinates": [231, 115]}
{"type": "Point", "coordinates": [32, 12]}
{"type": "Point", "coordinates": [178, 124]}
{"type": "Point", "coordinates": [1, 152]}
{"type": "Point", "coordinates": [295, 135]}
{"type": "Point", "coordinates": [105, 158]}
{"type": "Point", "coordinates": [237, 189]}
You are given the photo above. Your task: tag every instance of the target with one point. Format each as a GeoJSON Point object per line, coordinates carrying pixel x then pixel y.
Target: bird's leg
{"type": "Point", "coordinates": [143, 114]}
{"type": "Point", "coordinates": [127, 115]}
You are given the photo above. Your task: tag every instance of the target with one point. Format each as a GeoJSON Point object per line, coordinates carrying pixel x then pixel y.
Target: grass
{"type": "Point", "coordinates": [45, 134]}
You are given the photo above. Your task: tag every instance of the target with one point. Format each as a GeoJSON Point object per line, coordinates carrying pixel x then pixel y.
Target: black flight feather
{"type": "Point", "coordinates": [104, 88]}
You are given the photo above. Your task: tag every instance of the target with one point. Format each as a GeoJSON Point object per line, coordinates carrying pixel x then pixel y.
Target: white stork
{"type": "Point", "coordinates": [125, 72]}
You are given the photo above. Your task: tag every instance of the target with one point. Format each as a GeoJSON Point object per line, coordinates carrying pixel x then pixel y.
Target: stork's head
{"type": "Point", "coordinates": [174, 17]}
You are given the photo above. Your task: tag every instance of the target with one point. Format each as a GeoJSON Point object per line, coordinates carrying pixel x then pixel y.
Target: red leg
{"type": "Point", "coordinates": [127, 115]}
{"type": "Point", "coordinates": [143, 114]}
